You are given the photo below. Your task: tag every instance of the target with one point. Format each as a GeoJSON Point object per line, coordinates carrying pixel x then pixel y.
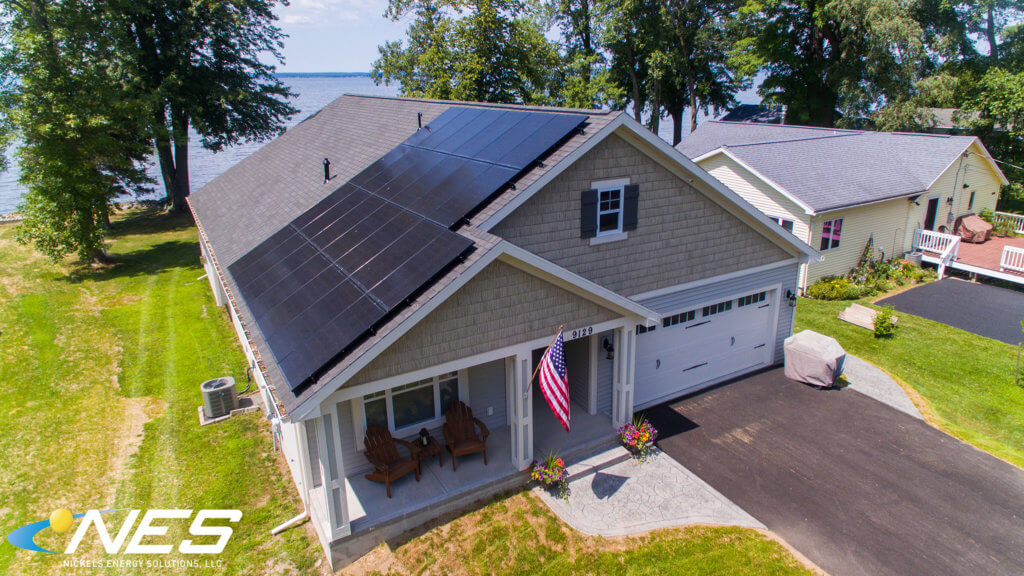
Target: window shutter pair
{"type": "Point", "coordinates": [588, 210]}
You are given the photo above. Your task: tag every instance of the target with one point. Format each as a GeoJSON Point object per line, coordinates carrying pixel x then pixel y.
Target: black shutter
{"type": "Point", "coordinates": [630, 206]}
{"type": "Point", "coordinates": [588, 213]}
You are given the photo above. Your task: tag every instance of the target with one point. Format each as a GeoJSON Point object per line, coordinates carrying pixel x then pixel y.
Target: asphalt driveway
{"type": "Point", "coordinates": [979, 308]}
{"type": "Point", "coordinates": [856, 486]}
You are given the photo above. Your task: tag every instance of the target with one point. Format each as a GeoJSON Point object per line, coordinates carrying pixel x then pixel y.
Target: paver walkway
{"type": "Point", "coordinates": [611, 494]}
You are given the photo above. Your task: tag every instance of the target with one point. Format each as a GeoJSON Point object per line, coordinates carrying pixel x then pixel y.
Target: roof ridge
{"type": "Point", "coordinates": [786, 140]}
{"type": "Point", "coordinates": [467, 103]}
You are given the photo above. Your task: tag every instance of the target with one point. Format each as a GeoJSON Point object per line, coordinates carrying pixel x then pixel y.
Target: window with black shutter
{"type": "Point", "coordinates": [609, 211]}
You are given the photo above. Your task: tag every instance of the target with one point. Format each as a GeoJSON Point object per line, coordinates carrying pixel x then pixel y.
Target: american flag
{"type": "Point", "coordinates": [554, 382]}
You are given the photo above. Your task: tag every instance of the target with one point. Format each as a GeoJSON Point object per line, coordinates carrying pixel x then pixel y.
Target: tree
{"type": "Point", "coordinates": [584, 76]}
{"type": "Point", "coordinates": [81, 142]}
{"type": "Point", "coordinates": [631, 35]}
{"type": "Point", "coordinates": [482, 50]}
{"type": "Point", "coordinates": [697, 41]}
{"type": "Point", "coordinates": [198, 64]}
{"type": "Point", "coordinates": [827, 56]}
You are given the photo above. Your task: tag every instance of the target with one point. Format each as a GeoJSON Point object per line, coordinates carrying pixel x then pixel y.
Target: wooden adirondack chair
{"type": "Point", "coordinates": [464, 434]}
{"type": "Point", "coordinates": [388, 464]}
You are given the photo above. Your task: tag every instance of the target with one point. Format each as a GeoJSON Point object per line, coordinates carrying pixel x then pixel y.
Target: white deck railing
{"type": "Point", "coordinates": [1016, 219]}
{"type": "Point", "coordinates": [935, 242]}
{"type": "Point", "coordinates": [1012, 259]}
{"type": "Point", "coordinates": [946, 246]}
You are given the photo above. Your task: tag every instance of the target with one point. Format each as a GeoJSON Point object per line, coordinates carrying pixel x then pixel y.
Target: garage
{"type": "Point", "coordinates": [698, 346]}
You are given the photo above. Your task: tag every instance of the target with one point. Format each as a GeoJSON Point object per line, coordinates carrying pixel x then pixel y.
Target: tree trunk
{"type": "Point", "coordinates": [655, 122]}
{"type": "Point", "coordinates": [676, 112]}
{"type": "Point", "coordinates": [691, 93]}
{"type": "Point", "coordinates": [162, 142]}
{"type": "Point", "coordinates": [990, 32]}
{"type": "Point", "coordinates": [181, 183]}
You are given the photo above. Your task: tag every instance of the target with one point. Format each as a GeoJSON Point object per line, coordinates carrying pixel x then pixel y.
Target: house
{"type": "Point", "coordinates": [837, 189]}
{"type": "Point", "coordinates": [509, 222]}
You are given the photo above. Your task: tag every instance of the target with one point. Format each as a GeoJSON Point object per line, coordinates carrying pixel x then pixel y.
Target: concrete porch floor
{"type": "Point", "coordinates": [369, 505]}
{"type": "Point", "coordinates": [585, 431]}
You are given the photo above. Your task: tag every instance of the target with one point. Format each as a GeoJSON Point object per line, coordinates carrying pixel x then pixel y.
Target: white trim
{"type": "Point", "coordinates": [610, 184]}
{"type": "Point", "coordinates": [771, 183]}
{"type": "Point", "coordinates": [712, 280]}
{"type": "Point", "coordinates": [677, 159]}
{"type": "Point", "coordinates": [609, 237]}
{"type": "Point", "coordinates": [595, 348]}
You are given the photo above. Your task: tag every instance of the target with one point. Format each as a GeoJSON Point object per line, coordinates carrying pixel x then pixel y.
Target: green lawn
{"type": "Point", "coordinates": [964, 381]}
{"type": "Point", "coordinates": [101, 370]}
{"type": "Point", "coordinates": [518, 535]}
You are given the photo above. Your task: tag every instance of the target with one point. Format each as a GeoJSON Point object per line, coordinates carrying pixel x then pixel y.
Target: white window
{"type": "Point", "coordinates": [609, 211]}
{"type": "Point", "coordinates": [408, 407]}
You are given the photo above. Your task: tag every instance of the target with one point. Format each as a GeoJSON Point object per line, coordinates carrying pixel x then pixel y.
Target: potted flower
{"type": "Point", "coordinates": [551, 474]}
{"type": "Point", "coordinates": [638, 437]}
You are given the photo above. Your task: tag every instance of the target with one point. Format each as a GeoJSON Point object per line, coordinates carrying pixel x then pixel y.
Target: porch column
{"type": "Point", "coordinates": [518, 369]}
{"type": "Point", "coordinates": [333, 463]}
{"type": "Point", "coordinates": [623, 371]}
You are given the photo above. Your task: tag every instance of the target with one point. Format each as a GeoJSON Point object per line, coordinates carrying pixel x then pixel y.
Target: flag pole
{"type": "Point", "coordinates": [529, 383]}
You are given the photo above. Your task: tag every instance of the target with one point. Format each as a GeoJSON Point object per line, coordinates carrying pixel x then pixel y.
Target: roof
{"type": "Point", "coordinates": [828, 169]}
{"type": "Point", "coordinates": [269, 189]}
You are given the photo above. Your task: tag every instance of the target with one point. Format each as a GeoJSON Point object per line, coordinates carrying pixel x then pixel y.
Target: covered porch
{"type": "Point", "coordinates": [496, 386]}
{"type": "Point", "coordinates": [999, 257]}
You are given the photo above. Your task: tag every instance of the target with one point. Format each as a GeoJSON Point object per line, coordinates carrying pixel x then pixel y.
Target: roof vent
{"type": "Point", "coordinates": [327, 170]}
{"type": "Point", "coordinates": [220, 397]}
{"type": "Point", "coordinates": [419, 119]}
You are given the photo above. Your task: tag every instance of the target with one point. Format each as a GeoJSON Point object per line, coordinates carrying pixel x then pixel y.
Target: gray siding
{"type": "Point", "coordinates": [355, 461]}
{"type": "Point", "coordinates": [502, 306]}
{"type": "Point", "coordinates": [682, 235]}
{"type": "Point", "coordinates": [788, 276]}
{"type": "Point", "coordinates": [604, 375]}
{"type": "Point", "coordinates": [487, 389]}
{"type": "Point", "coordinates": [577, 366]}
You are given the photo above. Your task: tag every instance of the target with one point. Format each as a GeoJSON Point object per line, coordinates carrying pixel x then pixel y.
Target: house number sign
{"type": "Point", "coordinates": [579, 333]}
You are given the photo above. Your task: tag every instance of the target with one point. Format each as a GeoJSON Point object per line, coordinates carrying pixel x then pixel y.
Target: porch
{"type": "Point", "coordinates": [999, 257]}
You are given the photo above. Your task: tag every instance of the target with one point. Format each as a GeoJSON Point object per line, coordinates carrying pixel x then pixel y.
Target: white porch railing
{"type": "Point", "coordinates": [946, 246]}
{"type": "Point", "coordinates": [935, 242]}
{"type": "Point", "coordinates": [1016, 219]}
{"type": "Point", "coordinates": [1012, 259]}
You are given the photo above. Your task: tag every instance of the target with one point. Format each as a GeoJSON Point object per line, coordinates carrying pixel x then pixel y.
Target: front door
{"type": "Point", "coordinates": [929, 215]}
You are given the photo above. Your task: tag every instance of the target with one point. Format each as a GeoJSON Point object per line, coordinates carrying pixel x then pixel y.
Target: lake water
{"type": "Point", "coordinates": [314, 91]}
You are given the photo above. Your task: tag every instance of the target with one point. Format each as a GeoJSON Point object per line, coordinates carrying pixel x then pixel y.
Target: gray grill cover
{"type": "Point", "coordinates": [814, 359]}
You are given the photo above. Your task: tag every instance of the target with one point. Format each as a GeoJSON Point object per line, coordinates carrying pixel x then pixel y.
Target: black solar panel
{"type": "Point", "coordinates": [326, 280]}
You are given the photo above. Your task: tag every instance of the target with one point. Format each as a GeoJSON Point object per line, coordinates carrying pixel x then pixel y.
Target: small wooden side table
{"type": "Point", "coordinates": [433, 448]}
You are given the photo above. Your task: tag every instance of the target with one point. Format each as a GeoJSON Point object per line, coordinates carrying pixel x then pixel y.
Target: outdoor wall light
{"type": "Point", "coordinates": [608, 347]}
{"type": "Point", "coordinates": [949, 200]}
{"type": "Point", "coordinates": [966, 185]}
{"type": "Point", "coordinates": [791, 297]}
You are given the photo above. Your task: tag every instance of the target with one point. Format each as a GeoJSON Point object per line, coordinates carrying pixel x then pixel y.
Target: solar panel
{"type": "Point", "coordinates": [337, 271]}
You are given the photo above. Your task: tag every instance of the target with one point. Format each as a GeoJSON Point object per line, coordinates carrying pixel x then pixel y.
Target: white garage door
{"type": "Point", "coordinates": [700, 346]}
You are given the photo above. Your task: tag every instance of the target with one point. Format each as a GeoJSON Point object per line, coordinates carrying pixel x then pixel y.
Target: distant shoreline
{"type": "Point", "coordinates": [322, 74]}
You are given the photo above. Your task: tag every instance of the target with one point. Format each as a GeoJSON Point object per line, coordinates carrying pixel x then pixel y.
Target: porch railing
{"type": "Point", "coordinates": [945, 246]}
{"type": "Point", "coordinates": [1016, 219]}
{"type": "Point", "coordinates": [1012, 259]}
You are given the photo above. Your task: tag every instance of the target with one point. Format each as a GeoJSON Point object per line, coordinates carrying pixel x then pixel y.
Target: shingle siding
{"type": "Point", "coordinates": [682, 235]}
{"type": "Point", "coordinates": [502, 306]}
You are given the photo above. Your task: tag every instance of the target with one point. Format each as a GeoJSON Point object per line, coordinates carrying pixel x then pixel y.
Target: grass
{"type": "Point", "coordinates": [519, 536]}
{"type": "Point", "coordinates": [964, 383]}
{"type": "Point", "coordinates": [101, 369]}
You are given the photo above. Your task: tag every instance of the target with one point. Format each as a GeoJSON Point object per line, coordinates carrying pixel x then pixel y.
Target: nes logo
{"type": "Point", "coordinates": [153, 525]}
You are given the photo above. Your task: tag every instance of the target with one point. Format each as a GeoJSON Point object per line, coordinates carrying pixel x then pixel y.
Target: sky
{"type": "Point", "coordinates": [335, 35]}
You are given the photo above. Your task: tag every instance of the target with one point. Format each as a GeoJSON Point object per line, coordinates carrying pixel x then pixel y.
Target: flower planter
{"type": "Point", "coordinates": [638, 437]}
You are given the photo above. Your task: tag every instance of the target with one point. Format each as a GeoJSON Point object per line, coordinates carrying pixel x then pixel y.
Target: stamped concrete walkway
{"type": "Point", "coordinates": [611, 494]}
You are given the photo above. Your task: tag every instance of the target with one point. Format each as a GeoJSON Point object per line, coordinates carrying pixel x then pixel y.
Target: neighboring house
{"type": "Point", "coordinates": [665, 282]}
{"type": "Point", "coordinates": [837, 189]}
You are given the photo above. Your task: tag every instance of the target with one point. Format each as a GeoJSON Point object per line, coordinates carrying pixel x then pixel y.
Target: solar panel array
{"type": "Point", "coordinates": [321, 284]}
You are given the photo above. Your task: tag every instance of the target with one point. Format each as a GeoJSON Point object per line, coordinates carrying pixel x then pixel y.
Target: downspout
{"type": "Point", "coordinates": [289, 523]}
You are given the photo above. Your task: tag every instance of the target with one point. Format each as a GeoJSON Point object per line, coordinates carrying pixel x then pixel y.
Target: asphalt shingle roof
{"type": "Point", "coordinates": [829, 169]}
{"type": "Point", "coordinates": [264, 192]}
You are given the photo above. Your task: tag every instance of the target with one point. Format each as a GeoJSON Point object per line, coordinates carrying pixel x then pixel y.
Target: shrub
{"type": "Point", "coordinates": [834, 288]}
{"type": "Point", "coordinates": [885, 327]}
{"type": "Point", "coordinates": [1000, 226]}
